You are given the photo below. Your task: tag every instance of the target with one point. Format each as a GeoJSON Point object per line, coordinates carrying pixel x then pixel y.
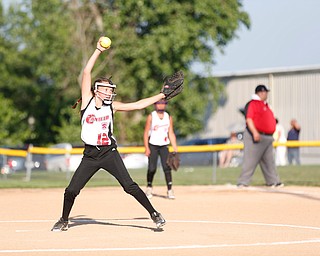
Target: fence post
{"type": "Point", "coordinates": [214, 167]}
{"type": "Point", "coordinates": [29, 163]}
{"type": "Point", "coordinates": [67, 159]}
{"type": "Point", "coordinates": [5, 167]}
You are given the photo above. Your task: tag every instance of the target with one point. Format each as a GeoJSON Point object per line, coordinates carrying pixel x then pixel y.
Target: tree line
{"type": "Point", "coordinates": [44, 46]}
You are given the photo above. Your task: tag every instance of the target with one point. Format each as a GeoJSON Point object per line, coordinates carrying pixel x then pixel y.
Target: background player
{"type": "Point", "coordinates": [158, 134]}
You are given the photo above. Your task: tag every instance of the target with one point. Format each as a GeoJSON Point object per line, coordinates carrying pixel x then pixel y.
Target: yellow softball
{"type": "Point", "coordinates": [105, 42]}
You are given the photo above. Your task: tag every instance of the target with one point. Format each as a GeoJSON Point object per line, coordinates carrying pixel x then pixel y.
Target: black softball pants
{"type": "Point", "coordinates": [155, 152]}
{"type": "Point", "coordinates": [109, 159]}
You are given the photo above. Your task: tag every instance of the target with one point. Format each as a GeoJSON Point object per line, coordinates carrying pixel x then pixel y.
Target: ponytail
{"type": "Point", "coordinates": [76, 104]}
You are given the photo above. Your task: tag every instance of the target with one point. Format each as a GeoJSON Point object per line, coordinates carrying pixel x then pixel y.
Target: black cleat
{"type": "Point", "coordinates": [158, 219]}
{"type": "Point", "coordinates": [61, 225]}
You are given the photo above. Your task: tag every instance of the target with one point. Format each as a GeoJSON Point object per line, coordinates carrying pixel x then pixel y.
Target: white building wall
{"type": "Point", "coordinates": [294, 94]}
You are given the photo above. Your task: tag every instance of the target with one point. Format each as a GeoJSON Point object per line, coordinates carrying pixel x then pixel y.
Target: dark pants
{"type": "Point", "coordinates": [109, 159]}
{"type": "Point", "coordinates": [294, 155]}
{"type": "Point", "coordinates": [163, 152]}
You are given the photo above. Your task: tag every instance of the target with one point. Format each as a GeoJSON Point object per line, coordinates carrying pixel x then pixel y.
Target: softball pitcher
{"type": "Point", "coordinates": [97, 113]}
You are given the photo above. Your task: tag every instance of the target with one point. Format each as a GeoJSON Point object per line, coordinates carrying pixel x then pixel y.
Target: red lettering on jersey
{"type": "Point", "coordinates": [156, 127]}
{"type": "Point", "coordinates": [104, 126]}
{"type": "Point", "coordinates": [90, 119]}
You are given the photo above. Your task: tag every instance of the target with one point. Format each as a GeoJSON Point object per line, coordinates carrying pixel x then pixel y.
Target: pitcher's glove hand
{"type": "Point", "coordinates": [173, 161]}
{"type": "Point", "coordinates": [173, 85]}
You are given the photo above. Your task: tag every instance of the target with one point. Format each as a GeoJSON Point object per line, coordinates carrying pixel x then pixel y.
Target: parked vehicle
{"type": "Point", "coordinates": [205, 158]}
{"type": "Point", "coordinates": [11, 164]}
{"type": "Point", "coordinates": [206, 141]}
{"type": "Point", "coordinates": [62, 162]}
{"type": "Point", "coordinates": [135, 160]}
{"type": "Point", "coordinates": [201, 158]}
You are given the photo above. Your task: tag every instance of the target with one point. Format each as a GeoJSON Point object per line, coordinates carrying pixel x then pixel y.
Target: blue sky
{"type": "Point", "coordinates": [283, 33]}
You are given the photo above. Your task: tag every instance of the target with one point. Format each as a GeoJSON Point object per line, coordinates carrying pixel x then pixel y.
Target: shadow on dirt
{"type": "Point", "coordinates": [79, 220]}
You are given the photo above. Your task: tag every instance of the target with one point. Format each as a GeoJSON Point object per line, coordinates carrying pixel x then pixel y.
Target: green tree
{"type": "Point", "coordinates": [53, 39]}
{"type": "Point", "coordinates": [154, 38]}
{"type": "Point", "coordinates": [39, 68]}
{"type": "Point", "coordinates": [15, 129]}
{"type": "Point", "coordinates": [70, 127]}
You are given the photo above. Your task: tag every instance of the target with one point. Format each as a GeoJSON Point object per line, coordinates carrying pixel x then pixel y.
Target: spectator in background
{"type": "Point", "coordinates": [258, 140]}
{"type": "Point", "coordinates": [293, 134]}
{"type": "Point", "coordinates": [226, 156]}
{"type": "Point", "coordinates": [280, 151]}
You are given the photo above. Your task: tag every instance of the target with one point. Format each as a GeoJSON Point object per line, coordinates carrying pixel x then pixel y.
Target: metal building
{"type": "Point", "coordinates": [294, 93]}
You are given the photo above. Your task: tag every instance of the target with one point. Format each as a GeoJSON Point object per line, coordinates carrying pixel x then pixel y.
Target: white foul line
{"type": "Point", "coordinates": [316, 240]}
{"type": "Point", "coordinates": [162, 247]}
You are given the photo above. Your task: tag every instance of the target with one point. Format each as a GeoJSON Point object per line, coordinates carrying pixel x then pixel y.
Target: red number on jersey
{"type": "Point", "coordinates": [103, 139]}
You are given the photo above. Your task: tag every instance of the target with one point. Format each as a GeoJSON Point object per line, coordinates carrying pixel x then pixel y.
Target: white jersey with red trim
{"type": "Point", "coordinates": [97, 125]}
{"type": "Point", "coordinates": [159, 129]}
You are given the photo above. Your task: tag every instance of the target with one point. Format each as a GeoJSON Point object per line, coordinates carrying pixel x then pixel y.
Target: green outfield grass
{"type": "Point", "coordinates": [307, 175]}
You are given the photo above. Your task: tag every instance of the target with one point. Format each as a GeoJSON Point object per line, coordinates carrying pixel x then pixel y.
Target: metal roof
{"type": "Point", "coordinates": [266, 71]}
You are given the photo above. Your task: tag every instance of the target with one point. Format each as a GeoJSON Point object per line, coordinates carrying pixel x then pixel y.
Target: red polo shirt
{"type": "Point", "coordinates": [262, 116]}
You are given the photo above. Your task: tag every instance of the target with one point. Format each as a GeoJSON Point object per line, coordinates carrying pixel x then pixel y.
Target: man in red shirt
{"type": "Point", "coordinates": [258, 140]}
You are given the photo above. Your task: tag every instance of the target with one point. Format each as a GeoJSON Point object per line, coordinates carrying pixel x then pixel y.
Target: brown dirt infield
{"type": "Point", "coordinates": [202, 220]}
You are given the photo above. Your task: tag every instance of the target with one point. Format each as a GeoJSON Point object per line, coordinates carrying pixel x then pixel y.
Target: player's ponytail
{"type": "Point", "coordinates": [76, 104]}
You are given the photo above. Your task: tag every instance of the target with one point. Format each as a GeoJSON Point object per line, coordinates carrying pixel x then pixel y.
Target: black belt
{"type": "Point", "coordinates": [262, 133]}
{"type": "Point", "coordinates": [267, 134]}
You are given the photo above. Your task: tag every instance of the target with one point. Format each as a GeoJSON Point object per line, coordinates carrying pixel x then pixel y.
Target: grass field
{"type": "Point", "coordinates": [306, 175]}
